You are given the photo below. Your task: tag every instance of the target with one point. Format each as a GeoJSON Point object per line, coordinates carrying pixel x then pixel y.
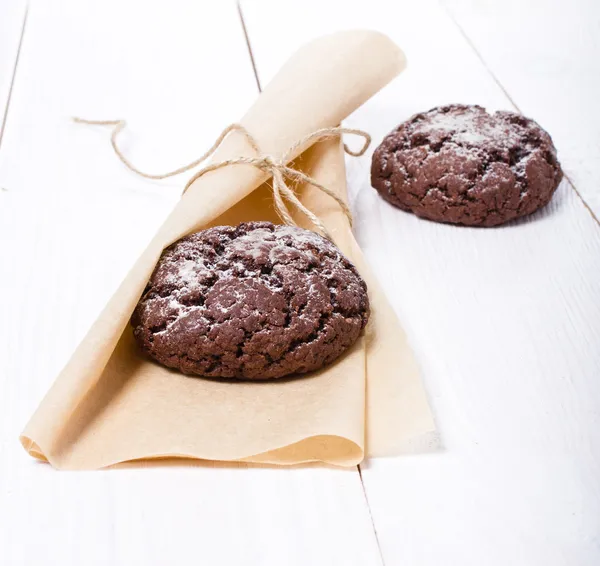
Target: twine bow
{"type": "Point", "coordinates": [277, 168]}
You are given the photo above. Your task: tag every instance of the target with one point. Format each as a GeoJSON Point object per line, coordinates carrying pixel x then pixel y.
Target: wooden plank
{"type": "Point", "coordinates": [545, 54]}
{"type": "Point", "coordinates": [12, 19]}
{"type": "Point", "coordinates": [162, 76]}
{"type": "Point", "coordinates": [71, 224]}
{"type": "Point", "coordinates": [505, 323]}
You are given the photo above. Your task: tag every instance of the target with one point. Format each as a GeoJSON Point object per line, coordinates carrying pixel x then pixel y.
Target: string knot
{"type": "Point", "coordinates": [275, 167]}
{"type": "Point", "coordinates": [266, 163]}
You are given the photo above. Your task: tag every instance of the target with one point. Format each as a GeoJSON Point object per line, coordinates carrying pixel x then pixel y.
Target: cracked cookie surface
{"type": "Point", "coordinates": [254, 301]}
{"type": "Point", "coordinates": [461, 165]}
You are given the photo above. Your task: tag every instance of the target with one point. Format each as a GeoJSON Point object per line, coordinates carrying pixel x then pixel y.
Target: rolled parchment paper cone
{"type": "Point", "coordinates": [110, 404]}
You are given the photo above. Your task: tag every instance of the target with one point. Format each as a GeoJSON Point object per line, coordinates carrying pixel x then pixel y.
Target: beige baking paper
{"type": "Point", "coordinates": [110, 404]}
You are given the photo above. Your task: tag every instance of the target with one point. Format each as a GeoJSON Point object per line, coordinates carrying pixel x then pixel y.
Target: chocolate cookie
{"type": "Point", "coordinates": [460, 164]}
{"type": "Point", "coordinates": [254, 301]}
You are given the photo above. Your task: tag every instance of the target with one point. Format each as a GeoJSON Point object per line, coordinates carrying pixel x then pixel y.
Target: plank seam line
{"type": "Point", "coordinates": [463, 33]}
{"type": "Point", "coordinates": [249, 46]}
{"type": "Point", "coordinates": [362, 483]}
{"type": "Point", "coordinates": [14, 74]}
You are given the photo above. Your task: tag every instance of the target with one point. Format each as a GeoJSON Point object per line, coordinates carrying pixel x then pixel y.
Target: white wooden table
{"type": "Point", "coordinates": [505, 322]}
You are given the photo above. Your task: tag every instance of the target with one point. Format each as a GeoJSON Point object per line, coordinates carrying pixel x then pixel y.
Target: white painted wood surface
{"type": "Point", "coordinates": [546, 54]}
{"type": "Point", "coordinates": [12, 18]}
{"type": "Point", "coordinates": [72, 220]}
{"type": "Point", "coordinates": [505, 322]}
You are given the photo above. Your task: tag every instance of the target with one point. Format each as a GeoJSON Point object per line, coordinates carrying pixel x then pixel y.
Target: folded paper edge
{"type": "Point", "coordinates": [354, 458]}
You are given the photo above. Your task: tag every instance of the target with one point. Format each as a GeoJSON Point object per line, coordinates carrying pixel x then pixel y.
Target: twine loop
{"type": "Point", "coordinates": [277, 168]}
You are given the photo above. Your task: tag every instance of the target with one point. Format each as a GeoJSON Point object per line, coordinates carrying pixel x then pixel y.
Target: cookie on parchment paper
{"type": "Point", "coordinates": [254, 301]}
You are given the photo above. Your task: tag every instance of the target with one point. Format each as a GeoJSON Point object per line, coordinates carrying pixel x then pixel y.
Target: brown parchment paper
{"type": "Point", "coordinates": [110, 404]}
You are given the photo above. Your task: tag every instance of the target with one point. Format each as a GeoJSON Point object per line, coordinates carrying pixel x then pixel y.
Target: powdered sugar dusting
{"type": "Point", "coordinates": [469, 127]}
{"type": "Point", "coordinates": [189, 271]}
{"type": "Point", "coordinates": [276, 243]}
{"type": "Point", "coordinates": [448, 122]}
{"type": "Point", "coordinates": [269, 248]}
{"type": "Point", "coordinates": [302, 235]}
